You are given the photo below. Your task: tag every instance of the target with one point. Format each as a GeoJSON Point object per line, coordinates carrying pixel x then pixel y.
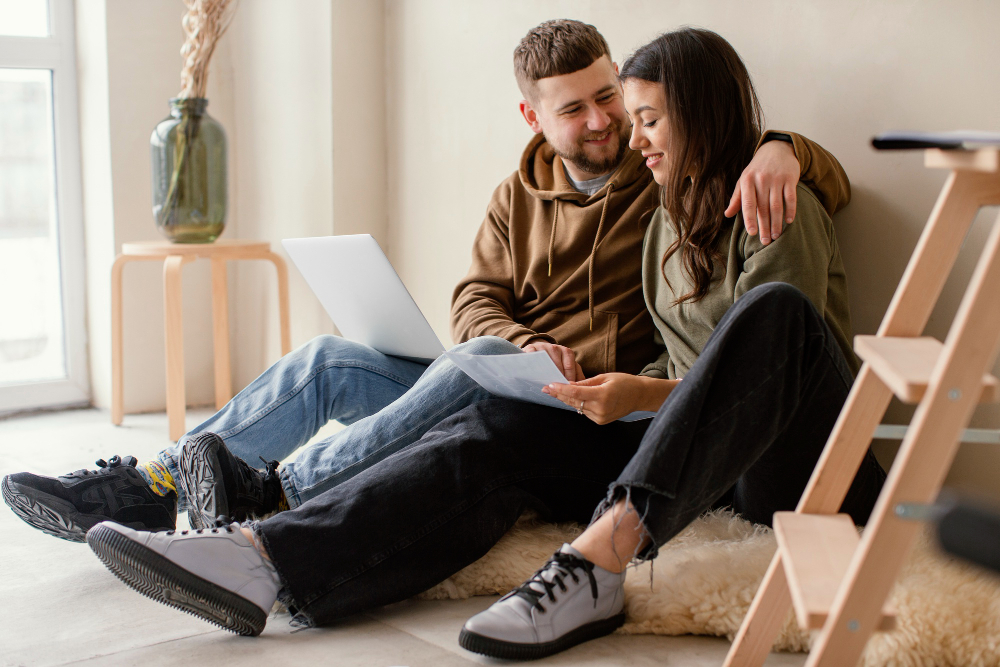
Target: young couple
{"type": "Point", "coordinates": [432, 472]}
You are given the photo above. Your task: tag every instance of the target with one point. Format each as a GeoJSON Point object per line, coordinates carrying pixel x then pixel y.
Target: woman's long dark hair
{"type": "Point", "coordinates": [715, 121]}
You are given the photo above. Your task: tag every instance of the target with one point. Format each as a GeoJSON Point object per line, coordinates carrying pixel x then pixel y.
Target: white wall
{"type": "Point", "coordinates": [95, 140]}
{"type": "Point", "coordinates": [359, 119]}
{"type": "Point", "coordinates": [281, 62]}
{"type": "Point", "coordinates": [309, 150]}
{"type": "Point", "coordinates": [838, 72]}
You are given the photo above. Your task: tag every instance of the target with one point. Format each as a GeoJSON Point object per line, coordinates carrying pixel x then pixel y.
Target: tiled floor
{"type": "Point", "coordinates": [58, 604]}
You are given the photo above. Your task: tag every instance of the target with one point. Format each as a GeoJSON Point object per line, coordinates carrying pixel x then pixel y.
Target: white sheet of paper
{"type": "Point", "coordinates": [520, 376]}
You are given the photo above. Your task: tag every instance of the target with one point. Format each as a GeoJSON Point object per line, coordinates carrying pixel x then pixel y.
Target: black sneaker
{"type": "Point", "coordinates": [220, 484]}
{"type": "Point", "coordinates": [69, 505]}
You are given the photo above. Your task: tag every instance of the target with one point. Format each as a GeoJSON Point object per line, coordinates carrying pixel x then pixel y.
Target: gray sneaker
{"type": "Point", "coordinates": [213, 573]}
{"type": "Point", "coordinates": [569, 601]}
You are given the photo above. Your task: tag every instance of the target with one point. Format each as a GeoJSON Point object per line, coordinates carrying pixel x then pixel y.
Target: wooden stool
{"type": "Point", "coordinates": [174, 256]}
{"type": "Point", "coordinates": [835, 582]}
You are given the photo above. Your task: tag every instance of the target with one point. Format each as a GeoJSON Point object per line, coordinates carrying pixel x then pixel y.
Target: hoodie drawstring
{"type": "Point", "coordinates": [552, 236]}
{"type": "Point", "coordinates": [590, 269]}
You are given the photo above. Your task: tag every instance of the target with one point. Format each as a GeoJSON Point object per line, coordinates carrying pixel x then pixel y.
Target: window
{"type": "Point", "coordinates": [42, 336]}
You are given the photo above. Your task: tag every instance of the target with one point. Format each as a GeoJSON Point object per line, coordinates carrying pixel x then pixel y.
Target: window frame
{"type": "Point", "coordinates": [57, 53]}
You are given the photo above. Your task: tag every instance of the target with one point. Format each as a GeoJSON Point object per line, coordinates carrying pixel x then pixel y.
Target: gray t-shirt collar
{"type": "Point", "coordinates": [588, 187]}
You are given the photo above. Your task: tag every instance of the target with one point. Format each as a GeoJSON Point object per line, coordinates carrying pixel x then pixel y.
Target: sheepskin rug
{"type": "Point", "coordinates": [704, 580]}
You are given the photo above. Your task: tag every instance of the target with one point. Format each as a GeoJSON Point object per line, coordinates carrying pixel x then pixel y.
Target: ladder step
{"type": "Point", "coordinates": [906, 364]}
{"type": "Point", "coordinates": [816, 550]}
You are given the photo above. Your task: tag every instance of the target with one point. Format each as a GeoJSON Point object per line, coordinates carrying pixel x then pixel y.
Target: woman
{"type": "Point", "coordinates": [759, 334]}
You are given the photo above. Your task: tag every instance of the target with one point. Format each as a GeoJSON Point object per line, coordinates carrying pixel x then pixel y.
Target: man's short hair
{"type": "Point", "coordinates": [562, 46]}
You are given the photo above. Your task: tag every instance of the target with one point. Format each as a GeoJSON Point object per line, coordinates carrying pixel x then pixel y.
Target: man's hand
{"type": "Point", "coordinates": [563, 357]}
{"type": "Point", "coordinates": [766, 190]}
{"type": "Point", "coordinates": [605, 398]}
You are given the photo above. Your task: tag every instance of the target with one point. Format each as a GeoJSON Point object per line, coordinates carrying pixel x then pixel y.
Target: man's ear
{"type": "Point", "coordinates": [615, 65]}
{"type": "Point", "coordinates": [530, 116]}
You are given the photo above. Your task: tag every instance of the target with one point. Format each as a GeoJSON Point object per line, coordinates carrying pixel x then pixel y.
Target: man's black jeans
{"type": "Point", "coordinates": [745, 428]}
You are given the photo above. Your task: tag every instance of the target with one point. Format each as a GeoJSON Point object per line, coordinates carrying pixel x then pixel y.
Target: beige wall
{"type": "Point", "coordinates": [280, 72]}
{"type": "Point", "coordinates": [308, 148]}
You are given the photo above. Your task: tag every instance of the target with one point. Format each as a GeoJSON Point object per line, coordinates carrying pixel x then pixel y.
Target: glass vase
{"type": "Point", "coordinates": [189, 173]}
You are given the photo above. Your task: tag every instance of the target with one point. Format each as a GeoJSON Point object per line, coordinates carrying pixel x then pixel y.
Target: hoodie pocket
{"type": "Point", "coordinates": [608, 324]}
{"type": "Point", "coordinates": [596, 347]}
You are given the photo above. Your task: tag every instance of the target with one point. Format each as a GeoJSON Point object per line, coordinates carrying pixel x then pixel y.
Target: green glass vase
{"type": "Point", "coordinates": [189, 173]}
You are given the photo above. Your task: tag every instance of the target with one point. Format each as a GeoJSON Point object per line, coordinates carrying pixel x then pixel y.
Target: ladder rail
{"type": "Point", "coordinates": [963, 194]}
{"type": "Point", "coordinates": [921, 465]}
{"type": "Point", "coordinates": [986, 436]}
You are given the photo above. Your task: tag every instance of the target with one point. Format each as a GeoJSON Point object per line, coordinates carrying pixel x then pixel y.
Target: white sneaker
{"type": "Point", "coordinates": [213, 573]}
{"type": "Point", "coordinates": [570, 600]}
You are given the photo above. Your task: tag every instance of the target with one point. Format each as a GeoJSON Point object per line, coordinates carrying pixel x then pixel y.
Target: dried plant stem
{"type": "Point", "coordinates": [187, 130]}
{"type": "Point", "coordinates": [204, 24]}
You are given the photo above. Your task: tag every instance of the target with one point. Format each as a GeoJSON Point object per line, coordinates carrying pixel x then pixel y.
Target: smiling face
{"type": "Point", "coordinates": [583, 118]}
{"type": "Point", "coordinates": [647, 107]}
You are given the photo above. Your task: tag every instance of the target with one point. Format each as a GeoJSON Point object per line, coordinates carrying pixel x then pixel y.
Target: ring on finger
{"type": "Point", "coordinates": [579, 410]}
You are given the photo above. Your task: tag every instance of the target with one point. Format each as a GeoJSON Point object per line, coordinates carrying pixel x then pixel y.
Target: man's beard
{"type": "Point", "coordinates": [584, 162]}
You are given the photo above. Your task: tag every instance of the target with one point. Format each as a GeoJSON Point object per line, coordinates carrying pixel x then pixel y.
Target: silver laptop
{"type": "Point", "coordinates": [363, 295]}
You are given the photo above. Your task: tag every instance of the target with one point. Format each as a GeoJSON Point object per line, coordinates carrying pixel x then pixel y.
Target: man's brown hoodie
{"type": "Point", "coordinates": [551, 263]}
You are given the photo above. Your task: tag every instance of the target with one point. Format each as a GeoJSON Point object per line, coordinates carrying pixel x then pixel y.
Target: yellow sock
{"type": "Point", "coordinates": [159, 478]}
{"type": "Point", "coordinates": [283, 502]}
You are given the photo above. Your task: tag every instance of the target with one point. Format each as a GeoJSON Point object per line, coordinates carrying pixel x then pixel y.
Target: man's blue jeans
{"type": "Point", "coordinates": [387, 403]}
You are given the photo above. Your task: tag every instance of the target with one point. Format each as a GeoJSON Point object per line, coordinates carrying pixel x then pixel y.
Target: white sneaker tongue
{"type": "Point", "coordinates": [598, 571]}
{"type": "Point", "coordinates": [568, 549]}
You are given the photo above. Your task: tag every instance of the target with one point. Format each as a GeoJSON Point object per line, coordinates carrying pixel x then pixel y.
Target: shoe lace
{"type": "Point", "coordinates": [270, 469]}
{"type": "Point", "coordinates": [103, 466]}
{"type": "Point", "coordinates": [113, 463]}
{"type": "Point", "coordinates": [248, 474]}
{"type": "Point", "coordinates": [272, 485]}
{"type": "Point", "coordinates": [221, 522]}
{"type": "Point", "coordinates": [565, 565]}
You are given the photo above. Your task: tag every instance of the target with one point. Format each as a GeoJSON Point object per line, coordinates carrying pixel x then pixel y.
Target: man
{"type": "Point", "coordinates": [556, 267]}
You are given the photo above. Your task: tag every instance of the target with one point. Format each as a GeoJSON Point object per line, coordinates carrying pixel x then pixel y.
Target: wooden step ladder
{"type": "Point", "coordinates": [833, 580]}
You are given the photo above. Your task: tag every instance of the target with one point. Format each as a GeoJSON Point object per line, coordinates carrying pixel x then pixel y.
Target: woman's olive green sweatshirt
{"type": "Point", "coordinates": [805, 255]}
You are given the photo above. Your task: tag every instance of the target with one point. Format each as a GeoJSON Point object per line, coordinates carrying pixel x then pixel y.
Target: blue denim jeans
{"type": "Point", "coordinates": [386, 402]}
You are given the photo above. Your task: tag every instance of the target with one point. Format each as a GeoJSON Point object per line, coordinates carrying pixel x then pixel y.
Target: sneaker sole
{"type": "Point", "coordinates": [147, 572]}
{"type": "Point", "coordinates": [200, 478]}
{"type": "Point", "coordinates": [53, 516]}
{"type": "Point", "coordinates": [496, 648]}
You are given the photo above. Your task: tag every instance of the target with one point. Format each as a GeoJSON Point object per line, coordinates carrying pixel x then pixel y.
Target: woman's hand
{"type": "Point", "coordinates": [563, 357]}
{"type": "Point", "coordinates": [605, 398]}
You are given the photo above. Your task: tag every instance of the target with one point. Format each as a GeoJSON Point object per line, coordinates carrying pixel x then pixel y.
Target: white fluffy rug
{"type": "Point", "coordinates": [704, 580]}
